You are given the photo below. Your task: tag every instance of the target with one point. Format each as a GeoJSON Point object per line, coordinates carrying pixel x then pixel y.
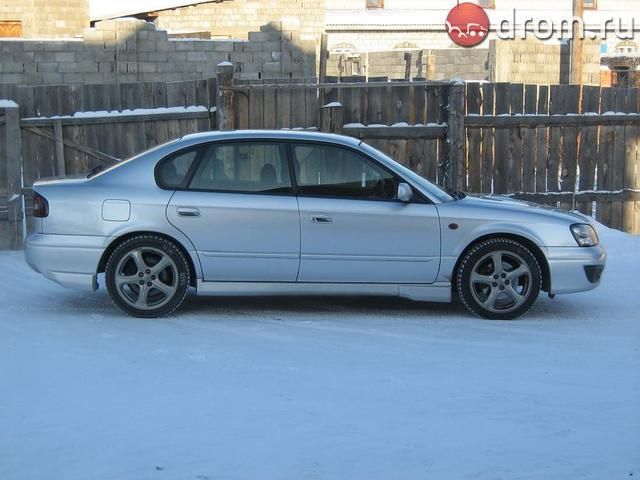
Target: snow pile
{"type": "Point", "coordinates": [319, 388]}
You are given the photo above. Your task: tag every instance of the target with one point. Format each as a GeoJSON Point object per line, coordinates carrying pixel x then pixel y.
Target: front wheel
{"type": "Point", "coordinates": [147, 276]}
{"type": "Point", "coordinates": [499, 279]}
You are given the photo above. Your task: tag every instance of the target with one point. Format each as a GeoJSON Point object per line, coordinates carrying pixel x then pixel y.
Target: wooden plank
{"type": "Point", "coordinates": [75, 160]}
{"type": "Point", "coordinates": [502, 140]}
{"type": "Point", "coordinates": [242, 114]}
{"type": "Point", "coordinates": [568, 197]}
{"type": "Point", "coordinates": [26, 101]}
{"type": "Point", "coordinates": [312, 105]}
{"type": "Point", "coordinates": [94, 98]}
{"type": "Point", "coordinates": [529, 142]}
{"type": "Point", "coordinates": [399, 105]}
{"type": "Point", "coordinates": [376, 106]}
{"type": "Point", "coordinates": [605, 156]}
{"type": "Point", "coordinates": [516, 139]}
{"type": "Point", "coordinates": [620, 104]}
{"type": "Point", "coordinates": [330, 92]}
{"type": "Point", "coordinates": [331, 119]}
{"type": "Point", "coordinates": [488, 135]}
{"type": "Point", "coordinates": [617, 177]}
{"type": "Point", "coordinates": [415, 132]}
{"type": "Point", "coordinates": [442, 112]}
{"type": "Point", "coordinates": [630, 177]}
{"type": "Point", "coordinates": [570, 140]}
{"type": "Point", "coordinates": [434, 104]}
{"type": "Point", "coordinates": [352, 100]}
{"type": "Point", "coordinates": [632, 100]}
{"type": "Point", "coordinates": [432, 114]}
{"type": "Point", "coordinates": [430, 162]}
{"type": "Point", "coordinates": [108, 119]}
{"type": "Point", "coordinates": [332, 83]}
{"type": "Point", "coordinates": [269, 110]}
{"type": "Point", "coordinates": [181, 94]}
{"type": "Point", "coordinates": [131, 95]}
{"type": "Point", "coordinates": [416, 155]}
{"type": "Point", "coordinates": [555, 141]}
{"type": "Point", "coordinates": [283, 108]}
{"type": "Point", "coordinates": [297, 107]}
{"type": "Point", "coordinates": [588, 148]}
{"type": "Point", "coordinates": [473, 167]}
{"type": "Point", "coordinates": [13, 153]}
{"type": "Point", "coordinates": [456, 138]}
{"type": "Point", "coordinates": [61, 169]}
{"type": "Point", "coordinates": [418, 107]}
{"type": "Point", "coordinates": [256, 106]}
{"type": "Point", "coordinates": [555, 120]}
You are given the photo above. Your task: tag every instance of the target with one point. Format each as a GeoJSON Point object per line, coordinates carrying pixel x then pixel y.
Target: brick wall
{"type": "Point", "coordinates": [378, 41]}
{"type": "Point", "coordinates": [234, 19]}
{"type": "Point", "coordinates": [440, 64]}
{"type": "Point", "coordinates": [531, 61]}
{"type": "Point", "coordinates": [133, 50]}
{"type": "Point", "coordinates": [47, 18]}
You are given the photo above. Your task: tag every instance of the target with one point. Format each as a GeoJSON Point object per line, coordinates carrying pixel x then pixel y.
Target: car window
{"type": "Point", "coordinates": [329, 171]}
{"type": "Point", "coordinates": [172, 173]}
{"type": "Point", "coordinates": [244, 167]}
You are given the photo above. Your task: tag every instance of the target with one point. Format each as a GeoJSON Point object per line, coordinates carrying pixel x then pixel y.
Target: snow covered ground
{"type": "Point", "coordinates": [319, 388]}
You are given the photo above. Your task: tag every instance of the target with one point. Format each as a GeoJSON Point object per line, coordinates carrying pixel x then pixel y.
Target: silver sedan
{"type": "Point", "coordinates": [287, 213]}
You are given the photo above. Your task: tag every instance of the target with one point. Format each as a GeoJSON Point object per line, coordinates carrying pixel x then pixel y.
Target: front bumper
{"type": "Point", "coordinates": [567, 268]}
{"type": "Point", "coordinates": [70, 260]}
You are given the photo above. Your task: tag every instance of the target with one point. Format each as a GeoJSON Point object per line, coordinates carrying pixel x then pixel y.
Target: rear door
{"type": "Point", "coordinates": [239, 211]}
{"type": "Point", "coordinates": [354, 229]}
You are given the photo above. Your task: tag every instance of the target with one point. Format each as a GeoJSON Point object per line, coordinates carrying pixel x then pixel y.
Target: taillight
{"type": "Point", "coordinates": [40, 206]}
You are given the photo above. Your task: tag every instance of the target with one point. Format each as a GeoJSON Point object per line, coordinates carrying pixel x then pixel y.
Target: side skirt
{"type": "Point", "coordinates": [437, 292]}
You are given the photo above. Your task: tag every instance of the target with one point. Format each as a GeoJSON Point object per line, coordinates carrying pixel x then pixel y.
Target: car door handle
{"type": "Point", "coordinates": [321, 219]}
{"type": "Point", "coordinates": [188, 212]}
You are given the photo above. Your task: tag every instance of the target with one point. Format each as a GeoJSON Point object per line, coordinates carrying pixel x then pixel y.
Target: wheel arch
{"type": "Point", "coordinates": [102, 264]}
{"type": "Point", "coordinates": [528, 243]}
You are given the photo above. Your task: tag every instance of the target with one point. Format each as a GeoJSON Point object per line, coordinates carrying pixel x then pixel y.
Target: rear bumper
{"type": "Point", "coordinates": [567, 268]}
{"type": "Point", "coordinates": [70, 260]}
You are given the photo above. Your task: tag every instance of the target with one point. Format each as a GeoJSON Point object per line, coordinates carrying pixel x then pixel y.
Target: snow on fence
{"type": "Point", "coordinates": [560, 145]}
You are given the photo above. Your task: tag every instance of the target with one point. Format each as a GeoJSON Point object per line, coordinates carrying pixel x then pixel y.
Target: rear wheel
{"type": "Point", "coordinates": [147, 276]}
{"type": "Point", "coordinates": [499, 279]}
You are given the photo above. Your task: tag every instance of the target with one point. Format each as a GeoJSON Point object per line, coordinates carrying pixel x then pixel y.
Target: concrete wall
{"type": "Point", "coordinates": [531, 61]}
{"type": "Point", "coordinates": [437, 64]}
{"type": "Point", "coordinates": [47, 18]}
{"type": "Point", "coordinates": [234, 19]}
{"type": "Point", "coordinates": [133, 50]}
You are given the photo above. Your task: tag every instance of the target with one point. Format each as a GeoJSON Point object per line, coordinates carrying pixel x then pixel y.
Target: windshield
{"type": "Point", "coordinates": [432, 189]}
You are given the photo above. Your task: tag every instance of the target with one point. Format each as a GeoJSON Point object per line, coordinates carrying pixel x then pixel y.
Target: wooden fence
{"type": "Point", "coordinates": [562, 145]}
{"type": "Point", "coordinates": [559, 145]}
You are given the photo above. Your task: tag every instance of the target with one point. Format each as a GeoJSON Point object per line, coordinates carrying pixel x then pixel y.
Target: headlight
{"type": "Point", "coordinates": [585, 235]}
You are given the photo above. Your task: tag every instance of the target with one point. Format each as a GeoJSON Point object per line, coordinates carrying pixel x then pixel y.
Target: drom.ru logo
{"type": "Point", "coordinates": [467, 24]}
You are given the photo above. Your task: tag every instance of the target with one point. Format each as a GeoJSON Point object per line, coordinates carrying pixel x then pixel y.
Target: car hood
{"type": "Point", "coordinates": [508, 204]}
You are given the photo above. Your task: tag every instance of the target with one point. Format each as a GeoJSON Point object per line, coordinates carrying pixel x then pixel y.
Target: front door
{"type": "Point", "coordinates": [354, 229]}
{"type": "Point", "coordinates": [239, 211]}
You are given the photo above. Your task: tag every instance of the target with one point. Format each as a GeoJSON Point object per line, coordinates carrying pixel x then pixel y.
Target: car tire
{"type": "Point", "coordinates": [499, 279]}
{"type": "Point", "coordinates": [147, 276]}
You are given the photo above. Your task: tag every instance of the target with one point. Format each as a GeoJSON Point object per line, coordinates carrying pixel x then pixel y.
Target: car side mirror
{"type": "Point", "coordinates": [405, 193]}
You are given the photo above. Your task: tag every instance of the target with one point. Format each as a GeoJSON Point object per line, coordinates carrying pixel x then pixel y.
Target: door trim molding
{"type": "Point", "coordinates": [436, 292]}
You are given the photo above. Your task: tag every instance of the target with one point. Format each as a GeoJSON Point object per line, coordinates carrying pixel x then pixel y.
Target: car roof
{"type": "Point", "coordinates": [297, 135]}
